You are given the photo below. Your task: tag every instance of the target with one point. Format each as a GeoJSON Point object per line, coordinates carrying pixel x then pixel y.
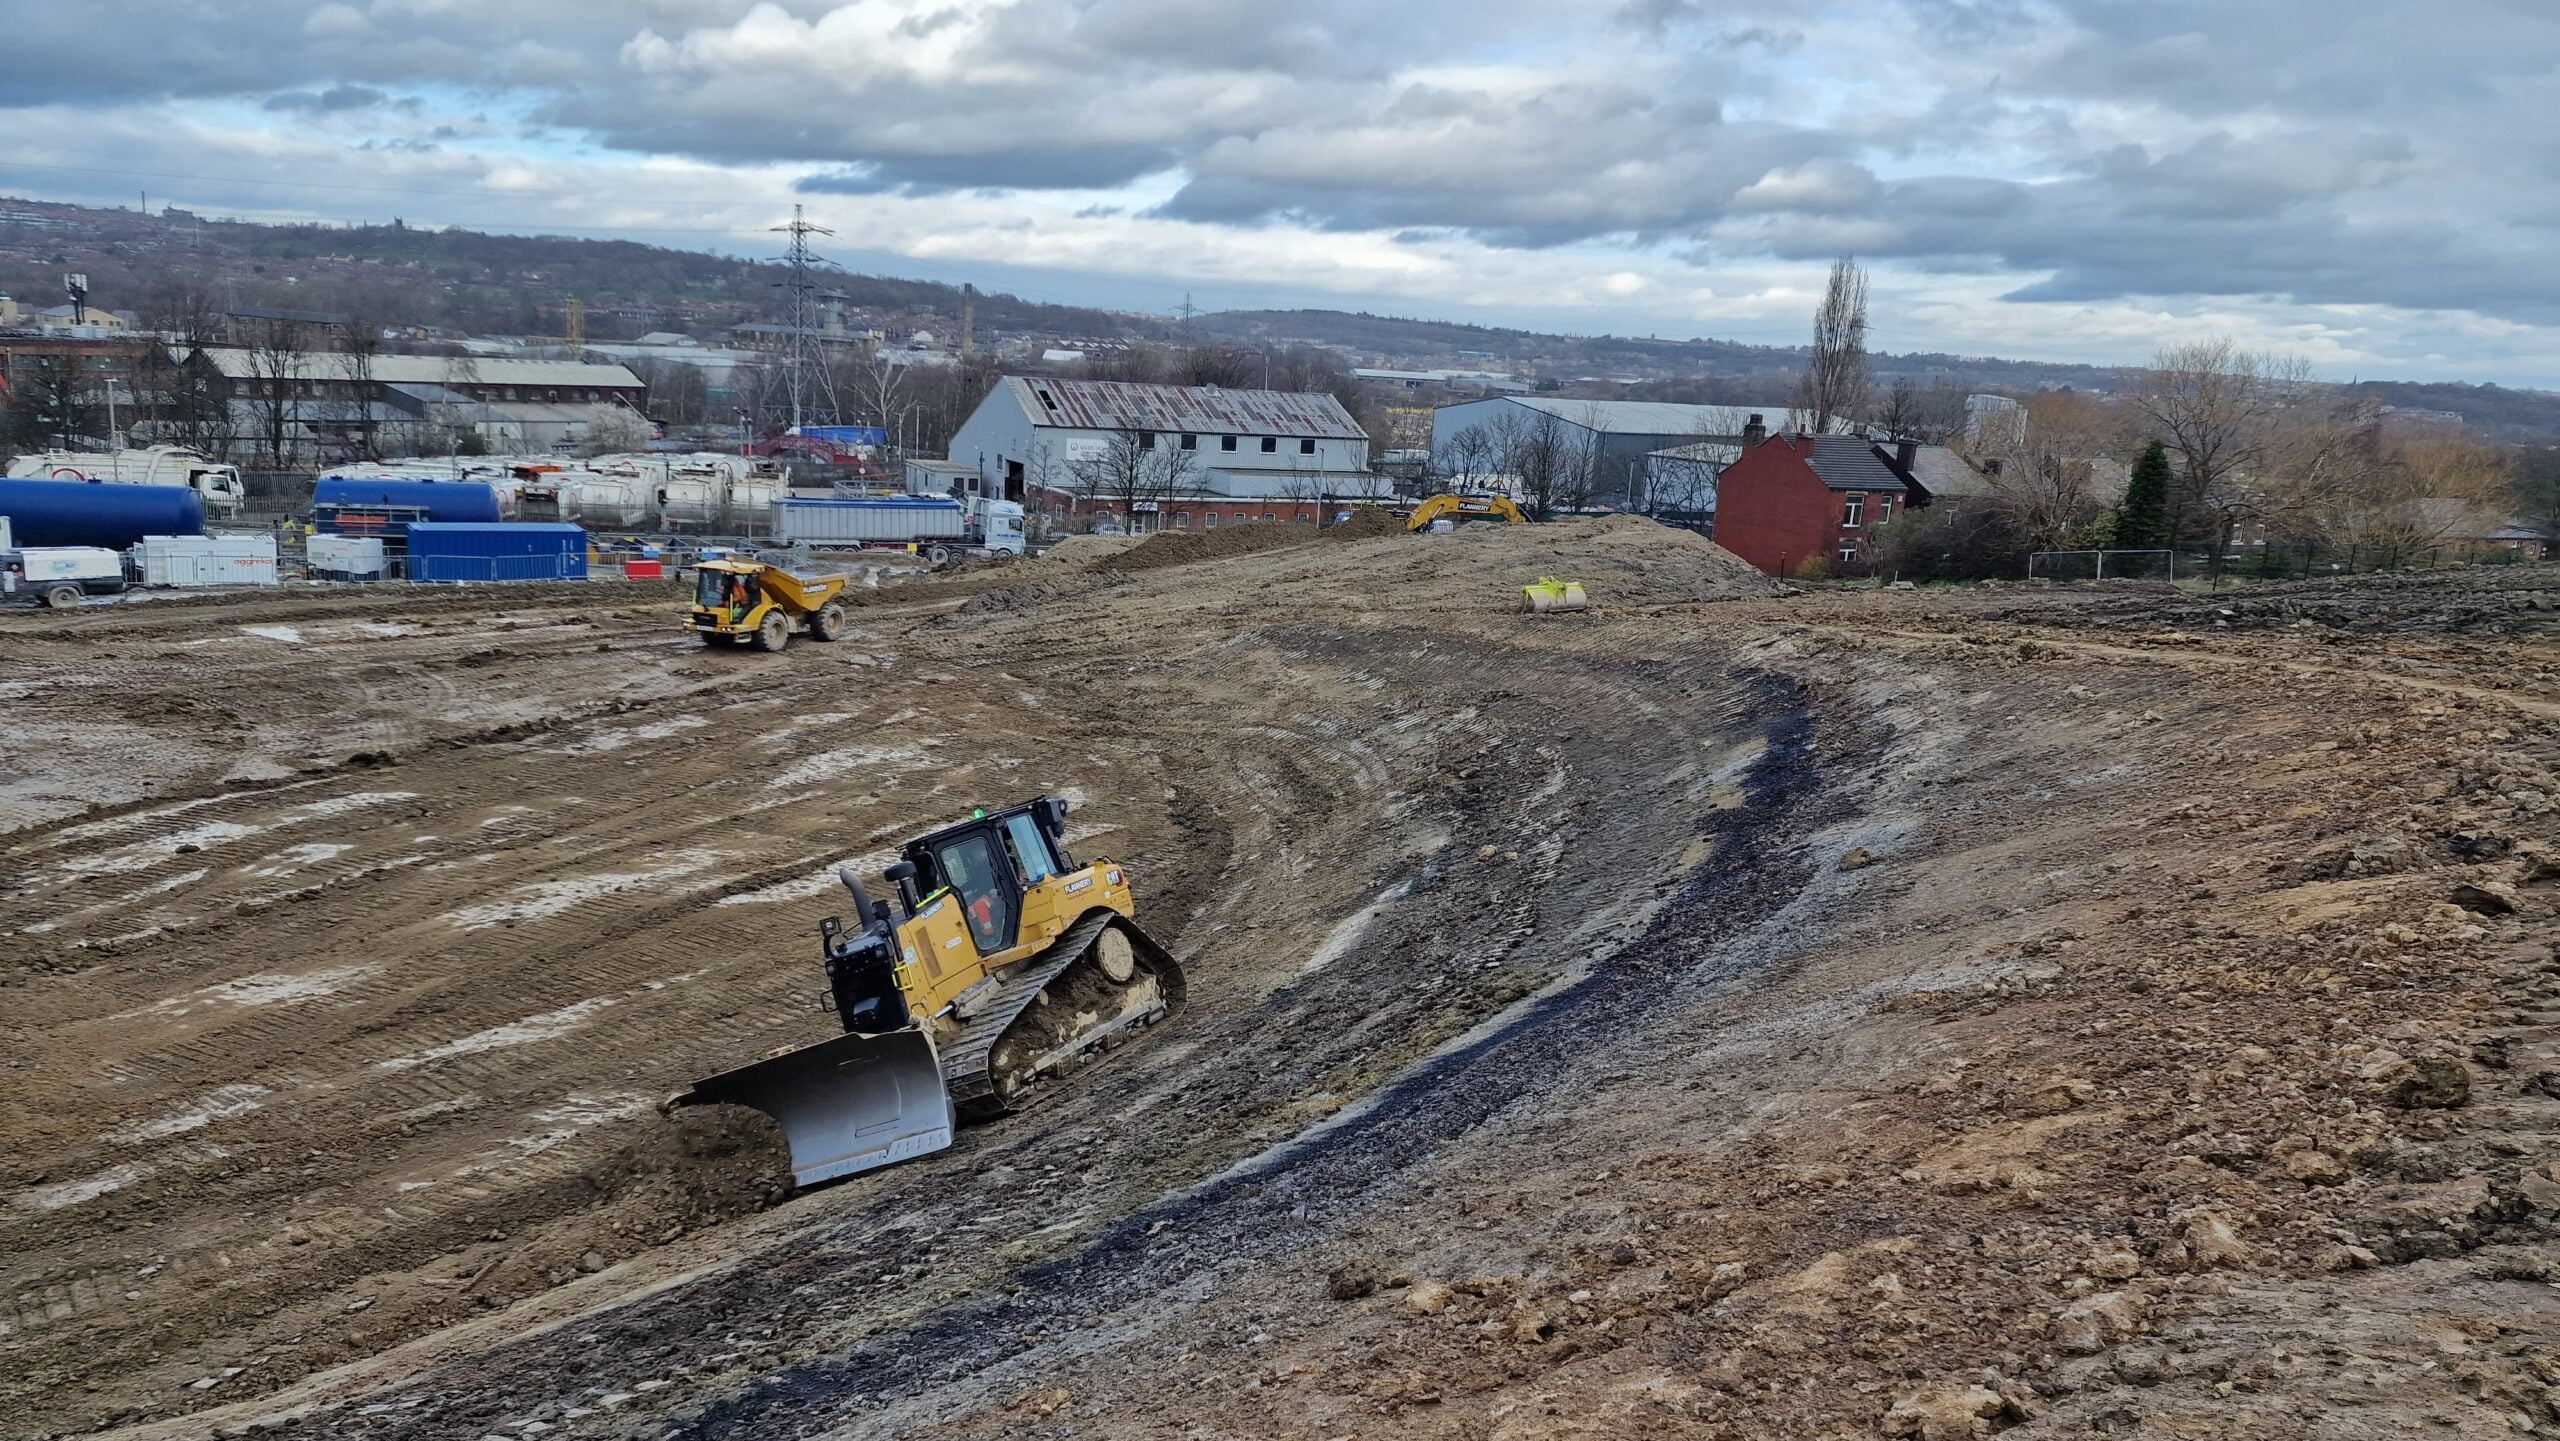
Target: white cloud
{"type": "Point", "coordinates": [2068, 177]}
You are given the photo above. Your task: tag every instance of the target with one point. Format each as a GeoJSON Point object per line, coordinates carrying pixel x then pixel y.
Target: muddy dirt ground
{"type": "Point", "coordinates": [1724, 1013]}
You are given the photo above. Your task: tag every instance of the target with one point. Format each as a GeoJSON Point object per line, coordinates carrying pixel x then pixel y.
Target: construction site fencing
{"type": "Point", "coordinates": [2310, 558]}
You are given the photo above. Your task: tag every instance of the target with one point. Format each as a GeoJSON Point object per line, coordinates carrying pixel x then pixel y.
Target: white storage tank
{"type": "Point", "coordinates": [609, 501]}
{"type": "Point", "coordinates": [689, 500]}
{"type": "Point", "coordinates": [197, 560]}
{"type": "Point", "coordinates": [344, 557]}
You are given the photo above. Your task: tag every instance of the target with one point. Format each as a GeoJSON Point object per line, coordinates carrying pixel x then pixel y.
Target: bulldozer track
{"type": "Point", "coordinates": [965, 1066]}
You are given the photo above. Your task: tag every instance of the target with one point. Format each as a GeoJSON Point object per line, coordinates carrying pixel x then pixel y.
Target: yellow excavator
{"type": "Point", "coordinates": [1461, 509]}
{"type": "Point", "coordinates": [747, 602]}
{"type": "Point", "coordinates": [998, 966]}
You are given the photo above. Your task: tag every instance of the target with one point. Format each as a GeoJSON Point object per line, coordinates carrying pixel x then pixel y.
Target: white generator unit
{"type": "Point", "coordinates": [207, 560]}
{"type": "Point", "coordinates": [344, 557]}
{"type": "Point", "coordinates": [59, 575]}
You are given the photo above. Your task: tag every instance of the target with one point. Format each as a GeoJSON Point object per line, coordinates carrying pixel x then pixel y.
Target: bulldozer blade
{"type": "Point", "coordinates": [848, 1105]}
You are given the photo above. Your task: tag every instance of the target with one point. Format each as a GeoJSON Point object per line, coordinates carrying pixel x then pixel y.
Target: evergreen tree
{"type": "Point", "coordinates": [2142, 522]}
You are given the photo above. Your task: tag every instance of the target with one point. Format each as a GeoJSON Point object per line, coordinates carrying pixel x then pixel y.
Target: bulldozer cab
{"type": "Point", "coordinates": [989, 862]}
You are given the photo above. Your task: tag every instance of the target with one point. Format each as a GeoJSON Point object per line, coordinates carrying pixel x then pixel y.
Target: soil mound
{"type": "Point", "coordinates": [1083, 550]}
{"type": "Point", "coordinates": [1183, 547]}
{"type": "Point", "coordinates": [1367, 524]}
{"type": "Point", "coordinates": [1620, 560]}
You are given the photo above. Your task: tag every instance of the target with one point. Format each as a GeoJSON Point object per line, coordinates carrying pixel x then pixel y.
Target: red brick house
{"type": "Point", "coordinates": [1791, 498]}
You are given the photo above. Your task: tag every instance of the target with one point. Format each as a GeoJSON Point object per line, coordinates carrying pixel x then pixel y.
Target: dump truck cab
{"type": "Point", "coordinates": [747, 602]}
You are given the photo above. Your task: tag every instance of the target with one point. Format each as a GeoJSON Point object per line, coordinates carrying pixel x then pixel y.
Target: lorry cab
{"type": "Point", "coordinates": [220, 486]}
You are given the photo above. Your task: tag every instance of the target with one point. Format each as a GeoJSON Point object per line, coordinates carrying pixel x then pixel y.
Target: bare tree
{"type": "Point", "coordinates": [2042, 465]}
{"type": "Point", "coordinates": [1686, 484]}
{"type": "Point", "coordinates": [1836, 384]}
{"type": "Point", "coordinates": [879, 395]}
{"type": "Point", "coordinates": [1532, 457]}
{"type": "Point", "coordinates": [279, 351]}
{"type": "Point", "coordinates": [1579, 463]}
{"type": "Point", "coordinates": [176, 389]}
{"type": "Point", "coordinates": [359, 347]}
{"type": "Point", "coordinates": [1133, 473]}
{"type": "Point", "coordinates": [1927, 413]}
{"type": "Point", "coordinates": [1462, 459]}
{"type": "Point", "coordinates": [1223, 366]}
{"type": "Point", "coordinates": [2212, 403]}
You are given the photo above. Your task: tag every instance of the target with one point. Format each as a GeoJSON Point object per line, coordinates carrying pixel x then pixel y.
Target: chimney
{"type": "Point", "coordinates": [1754, 431]}
{"type": "Point", "coordinates": [1904, 453]}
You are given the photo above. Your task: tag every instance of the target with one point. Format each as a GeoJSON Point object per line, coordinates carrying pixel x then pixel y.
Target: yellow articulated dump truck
{"type": "Point", "coordinates": [998, 966]}
{"type": "Point", "coordinates": [747, 602]}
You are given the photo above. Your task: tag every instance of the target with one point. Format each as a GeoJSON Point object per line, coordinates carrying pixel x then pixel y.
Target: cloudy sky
{"type": "Point", "coordinates": [2371, 183]}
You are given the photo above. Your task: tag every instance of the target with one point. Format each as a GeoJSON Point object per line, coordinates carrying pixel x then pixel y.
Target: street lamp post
{"type": "Point", "coordinates": [113, 441]}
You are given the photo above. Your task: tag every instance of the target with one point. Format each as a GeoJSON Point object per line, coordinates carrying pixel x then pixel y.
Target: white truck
{"type": "Point", "coordinates": [59, 575]}
{"type": "Point", "coordinates": [217, 484]}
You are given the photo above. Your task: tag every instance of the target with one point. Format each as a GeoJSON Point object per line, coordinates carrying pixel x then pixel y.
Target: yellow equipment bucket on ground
{"type": "Point", "coordinates": [1551, 596]}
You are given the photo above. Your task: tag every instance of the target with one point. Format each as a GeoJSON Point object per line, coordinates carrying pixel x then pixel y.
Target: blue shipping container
{"type": "Point", "coordinates": [444, 552]}
{"type": "Point", "coordinates": [843, 434]}
{"type": "Point", "coordinates": [439, 500]}
{"type": "Point", "coordinates": [92, 512]}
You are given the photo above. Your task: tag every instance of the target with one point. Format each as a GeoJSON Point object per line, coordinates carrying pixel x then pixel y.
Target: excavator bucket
{"type": "Point", "coordinates": [1550, 596]}
{"type": "Point", "coordinates": [847, 1105]}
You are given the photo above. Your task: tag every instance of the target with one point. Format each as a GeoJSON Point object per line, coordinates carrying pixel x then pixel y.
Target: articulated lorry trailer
{"type": "Point", "coordinates": [936, 527]}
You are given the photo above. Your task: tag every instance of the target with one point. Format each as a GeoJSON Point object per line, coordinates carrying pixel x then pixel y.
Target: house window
{"type": "Point", "coordinates": [1307, 446]}
{"type": "Point", "coordinates": [1146, 440]}
{"type": "Point", "coordinates": [1270, 445]}
{"type": "Point", "coordinates": [1884, 509]}
{"type": "Point", "coordinates": [1209, 520]}
{"type": "Point", "coordinates": [1190, 441]}
{"type": "Point", "coordinates": [1848, 552]}
{"type": "Point", "coordinates": [1267, 515]}
{"type": "Point", "coordinates": [1226, 442]}
{"type": "Point", "coordinates": [1182, 520]}
{"type": "Point", "coordinates": [1850, 513]}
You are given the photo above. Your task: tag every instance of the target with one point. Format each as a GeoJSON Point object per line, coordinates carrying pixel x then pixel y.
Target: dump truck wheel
{"type": "Point", "coordinates": [774, 634]}
{"type": "Point", "coordinates": [62, 597]}
{"type": "Point", "coordinates": [937, 554]}
{"type": "Point", "coordinates": [828, 623]}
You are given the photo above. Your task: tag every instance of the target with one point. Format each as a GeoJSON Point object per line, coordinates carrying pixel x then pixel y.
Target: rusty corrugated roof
{"type": "Point", "coordinates": [1198, 409]}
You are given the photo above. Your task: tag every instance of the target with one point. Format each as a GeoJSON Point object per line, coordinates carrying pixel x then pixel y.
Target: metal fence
{"type": "Point", "coordinates": [2103, 565]}
{"type": "Point", "coordinates": [2307, 559]}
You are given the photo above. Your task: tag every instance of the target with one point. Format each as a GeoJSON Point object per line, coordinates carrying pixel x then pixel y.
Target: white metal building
{"type": "Point", "coordinates": [1623, 434]}
{"type": "Point", "coordinates": [1252, 450]}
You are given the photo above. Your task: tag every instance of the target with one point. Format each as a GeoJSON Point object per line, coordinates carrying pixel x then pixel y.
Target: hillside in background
{"type": "Point", "coordinates": [471, 283]}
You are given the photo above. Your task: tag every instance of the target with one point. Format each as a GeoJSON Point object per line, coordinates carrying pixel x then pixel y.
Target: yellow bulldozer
{"type": "Point", "coordinates": [747, 602]}
{"type": "Point", "coordinates": [998, 966]}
